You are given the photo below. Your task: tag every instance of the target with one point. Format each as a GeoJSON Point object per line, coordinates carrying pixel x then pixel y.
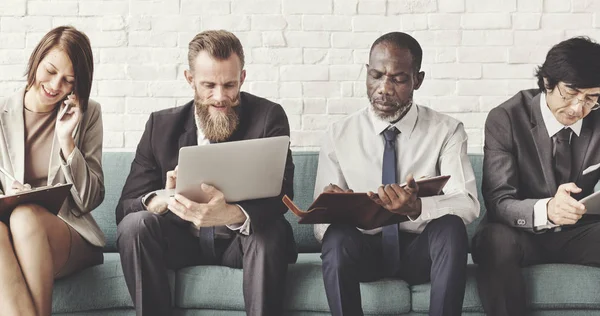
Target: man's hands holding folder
{"type": "Point", "coordinates": [333, 188]}
{"type": "Point", "coordinates": [398, 199]}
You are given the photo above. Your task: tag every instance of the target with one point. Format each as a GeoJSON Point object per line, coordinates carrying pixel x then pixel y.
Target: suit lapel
{"type": "Point", "coordinates": [13, 129]}
{"type": "Point", "coordinates": [543, 144]}
{"type": "Point", "coordinates": [579, 148]}
{"type": "Point", "coordinates": [189, 137]}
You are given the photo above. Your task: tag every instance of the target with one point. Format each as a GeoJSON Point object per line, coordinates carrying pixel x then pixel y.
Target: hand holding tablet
{"type": "Point", "coordinates": [592, 203]}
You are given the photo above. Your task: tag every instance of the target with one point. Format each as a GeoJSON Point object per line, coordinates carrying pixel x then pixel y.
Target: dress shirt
{"type": "Point", "coordinates": [429, 144]}
{"type": "Point", "coordinates": [553, 126]}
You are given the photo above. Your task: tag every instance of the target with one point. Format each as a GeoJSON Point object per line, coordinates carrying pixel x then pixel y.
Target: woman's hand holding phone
{"type": "Point", "coordinates": [68, 117]}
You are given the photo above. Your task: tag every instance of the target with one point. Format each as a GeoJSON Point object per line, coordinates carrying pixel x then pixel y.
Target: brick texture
{"type": "Point", "coordinates": [307, 55]}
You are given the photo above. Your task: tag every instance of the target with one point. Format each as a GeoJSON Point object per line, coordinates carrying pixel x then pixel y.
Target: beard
{"type": "Point", "coordinates": [217, 126]}
{"type": "Point", "coordinates": [397, 108]}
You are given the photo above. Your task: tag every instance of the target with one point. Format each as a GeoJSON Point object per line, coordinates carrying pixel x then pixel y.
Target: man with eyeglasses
{"type": "Point", "coordinates": [541, 155]}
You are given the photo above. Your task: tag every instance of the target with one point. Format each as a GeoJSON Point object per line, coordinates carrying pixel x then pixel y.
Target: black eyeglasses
{"type": "Point", "coordinates": [589, 103]}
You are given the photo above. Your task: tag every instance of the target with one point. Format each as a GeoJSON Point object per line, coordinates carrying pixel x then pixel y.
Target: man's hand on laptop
{"type": "Point", "coordinates": [399, 200]}
{"type": "Point", "coordinates": [158, 204]}
{"type": "Point", "coordinates": [171, 179]}
{"type": "Point", "coordinates": [216, 212]}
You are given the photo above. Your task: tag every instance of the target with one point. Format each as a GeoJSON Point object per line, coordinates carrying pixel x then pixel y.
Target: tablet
{"type": "Point", "coordinates": [592, 203]}
{"type": "Point", "coordinates": [242, 170]}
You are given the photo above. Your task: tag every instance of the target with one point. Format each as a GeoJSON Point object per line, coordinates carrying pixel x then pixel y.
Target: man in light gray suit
{"type": "Point", "coordinates": [542, 155]}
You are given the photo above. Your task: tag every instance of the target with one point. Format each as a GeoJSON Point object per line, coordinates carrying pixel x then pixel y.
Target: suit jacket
{"type": "Point", "coordinates": [83, 169]}
{"type": "Point", "coordinates": [168, 130]}
{"type": "Point", "coordinates": [517, 164]}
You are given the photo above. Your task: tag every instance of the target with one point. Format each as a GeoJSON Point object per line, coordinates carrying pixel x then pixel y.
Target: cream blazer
{"type": "Point", "coordinates": [83, 168]}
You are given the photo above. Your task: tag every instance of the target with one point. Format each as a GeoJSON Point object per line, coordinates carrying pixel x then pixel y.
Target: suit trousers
{"type": "Point", "coordinates": [500, 251]}
{"type": "Point", "coordinates": [438, 254]}
{"type": "Point", "coordinates": [151, 244]}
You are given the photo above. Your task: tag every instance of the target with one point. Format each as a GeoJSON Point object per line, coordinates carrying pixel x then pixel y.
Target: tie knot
{"type": "Point", "coordinates": [391, 133]}
{"type": "Point", "coordinates": [564, 135]}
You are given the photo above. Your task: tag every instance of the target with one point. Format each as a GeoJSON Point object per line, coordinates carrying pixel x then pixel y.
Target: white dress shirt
{"type": "Point", "coordinates": [553, 126]}
{"type": "Point", "coordinates": [429, 144]}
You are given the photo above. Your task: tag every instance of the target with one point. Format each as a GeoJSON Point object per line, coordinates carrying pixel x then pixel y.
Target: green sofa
{"type": "Point", "coordinates": [553, 289]}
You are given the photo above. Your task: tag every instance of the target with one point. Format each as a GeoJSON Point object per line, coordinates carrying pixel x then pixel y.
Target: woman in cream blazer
{"type": "Point", "coordinates": [36, 137]}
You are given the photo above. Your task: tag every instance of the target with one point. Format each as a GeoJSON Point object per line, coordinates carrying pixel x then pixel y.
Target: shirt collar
{"type": "Point", "coordinates": [553, 126]}
{"type": "Point", "coordinates": [405, 125]}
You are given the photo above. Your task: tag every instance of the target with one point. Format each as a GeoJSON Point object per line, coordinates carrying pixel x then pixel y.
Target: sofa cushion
{"type": "Point", "coordinates": [116, 312]}
{"type": "Point", "coordinates": [99, 287]}
{"type": "Point", "coordinates": [477, 164]}
{"type": "Point", "coordinates": [96, 288]}
{"type": "Point", "coordinates": [549, 286]}
{"type": "Point", "coordinates": [305, 172]}
{"type": "Point", "coordinates": [115, 166]}
{"type": "Point", "coordinates": [211, 287]}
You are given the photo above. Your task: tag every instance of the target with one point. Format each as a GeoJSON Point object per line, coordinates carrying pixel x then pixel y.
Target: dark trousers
{"type": "Point", "coordinates": [150, 244]}
{"type": "Point", "coordinates": [500, 251]}
{"type": "Point", "coordinates": [438, 254]}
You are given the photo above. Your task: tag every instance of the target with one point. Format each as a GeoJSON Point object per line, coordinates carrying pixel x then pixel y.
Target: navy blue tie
{"type": "Point", "coordinates": [390, 237]}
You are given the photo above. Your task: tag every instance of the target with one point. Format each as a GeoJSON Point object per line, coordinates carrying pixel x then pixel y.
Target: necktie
{"type": "Point", "coordinates": [390, 236]}
{"type": "Point", "coordinates": [562, 156]}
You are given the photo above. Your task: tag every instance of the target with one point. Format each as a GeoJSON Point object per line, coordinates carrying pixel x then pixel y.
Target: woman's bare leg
{"type": "Point", "coordinates": [15, 298]}
{"type": "Point", "coordinates": [42, 243]}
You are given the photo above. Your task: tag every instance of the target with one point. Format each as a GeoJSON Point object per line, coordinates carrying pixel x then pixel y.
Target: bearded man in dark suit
{"type": "Point", "coordinates": [156, 233]}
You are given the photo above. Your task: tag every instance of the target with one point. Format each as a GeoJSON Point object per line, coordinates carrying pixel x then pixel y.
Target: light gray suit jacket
{"type": "Point", "coordinates": [84, 170]}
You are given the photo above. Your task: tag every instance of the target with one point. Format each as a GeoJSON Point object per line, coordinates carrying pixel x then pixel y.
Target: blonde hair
{"type": "Point", "coordinates": [220, 44]}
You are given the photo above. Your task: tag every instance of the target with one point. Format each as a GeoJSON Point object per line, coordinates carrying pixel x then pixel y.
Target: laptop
{"type": "Point", "coordinates": [242, 170]}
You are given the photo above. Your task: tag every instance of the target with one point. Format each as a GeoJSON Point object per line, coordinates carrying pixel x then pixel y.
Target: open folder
{"type": "Point", "coordinates": [50, 197]}
{"type": "Point", "coordinates": [357, 209]}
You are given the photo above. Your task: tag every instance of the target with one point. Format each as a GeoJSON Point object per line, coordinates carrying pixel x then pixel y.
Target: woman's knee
{"type": "Point", "coordinates": [25, 220]}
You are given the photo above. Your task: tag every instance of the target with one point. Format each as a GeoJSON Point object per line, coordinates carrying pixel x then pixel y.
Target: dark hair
{"type": "Point", "coordinates": [77, 46]}
{"type": "Point", "coordinates": [219, 44]}
{"type": "Point", "coordinates": [575, 61]}
{"type": "Point", "coordinates": [402, 40]}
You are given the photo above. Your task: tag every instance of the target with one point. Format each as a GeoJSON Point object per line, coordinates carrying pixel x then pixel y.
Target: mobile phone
{"type": "Point", "coordinates": [66, 108]}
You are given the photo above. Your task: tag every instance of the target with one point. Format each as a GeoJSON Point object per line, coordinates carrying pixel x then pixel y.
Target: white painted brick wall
{"type": "Point", "coordinates": [307, 55]}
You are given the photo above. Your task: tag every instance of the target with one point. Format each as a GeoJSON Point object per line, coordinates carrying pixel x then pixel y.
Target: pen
{"type": "Point", "coordinates": [7, 174]}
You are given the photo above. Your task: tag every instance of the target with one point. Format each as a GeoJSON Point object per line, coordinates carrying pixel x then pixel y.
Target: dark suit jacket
{"type": "Point", "coordinates": [168, 130]}
{"type": "Point", "coordinates": [517, 164]}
